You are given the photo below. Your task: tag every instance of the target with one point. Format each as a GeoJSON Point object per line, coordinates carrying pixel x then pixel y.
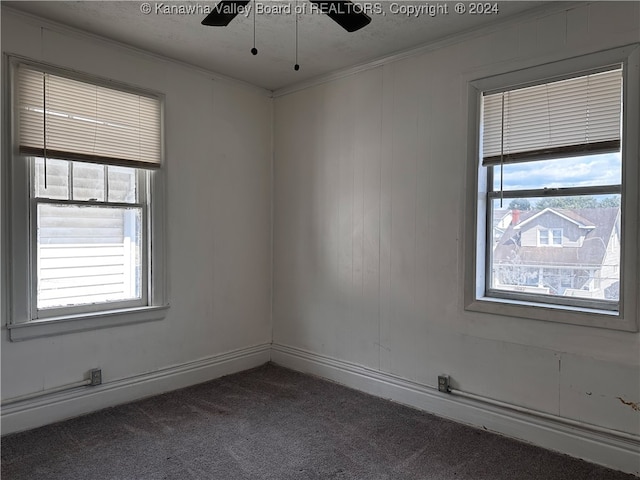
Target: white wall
{"type": "Point", "coordinates": [369, 204]}
{"type": "Point", "coordinates": [218, 152]}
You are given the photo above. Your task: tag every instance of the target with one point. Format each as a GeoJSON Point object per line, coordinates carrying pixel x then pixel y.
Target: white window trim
{"type": "Point", "coordinates": [16, 289]}
{"type": "Point", "coordinates": [476, 227]}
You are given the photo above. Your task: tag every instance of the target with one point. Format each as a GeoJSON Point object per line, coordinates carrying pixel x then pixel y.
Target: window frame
{"type": "Point", "coordinates": [142, 203]}
{"type": "Point", "coordinates": [18, 221]}
{"type": "Point", "coordinates": [477, 226]}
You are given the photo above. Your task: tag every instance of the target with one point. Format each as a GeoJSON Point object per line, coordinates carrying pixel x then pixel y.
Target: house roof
{"type": "Point", "coordinates": [599, 222]}
{"type": "Point", "coordinates": [569, 215]}
{"type": "Point", "coordinates": [500, 213]}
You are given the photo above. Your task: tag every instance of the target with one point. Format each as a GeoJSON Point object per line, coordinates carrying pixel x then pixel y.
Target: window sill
{"type": "Point", "coordinates": [84, 322]}
{"type": "Point", "coordinates": [587, 317]}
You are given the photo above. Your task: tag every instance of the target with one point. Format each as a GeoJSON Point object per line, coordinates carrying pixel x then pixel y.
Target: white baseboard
{"type": "Point", "coordinates": [604, 449]}
{"type": "Point", "coordinates": [79, 401]}
{"type": "Point", "coordinates": [608, 450]}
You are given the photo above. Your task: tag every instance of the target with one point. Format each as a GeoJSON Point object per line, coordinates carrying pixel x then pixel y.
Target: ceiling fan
{"type": "Point", "coordinates": [344, 12]}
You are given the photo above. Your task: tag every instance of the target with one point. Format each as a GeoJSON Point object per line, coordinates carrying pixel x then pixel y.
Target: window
{"type": "Point", "coordinates": [554, 202]}
{"type": "Point", "coordinates": [85, 204]}
{"type": "Point", "coordinates": [89, 238]}
{"type": "Point", "coordinates": [550, 237]}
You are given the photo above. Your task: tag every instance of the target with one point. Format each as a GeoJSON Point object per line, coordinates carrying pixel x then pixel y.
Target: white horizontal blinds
{"type": "Point", "coordinates": [569, 117]}
{"type": "Point", "coordinates": [86, 122]}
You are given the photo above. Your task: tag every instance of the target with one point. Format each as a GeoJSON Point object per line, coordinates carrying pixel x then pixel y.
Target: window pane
{"type": "Point", "coordinates": [122, 184]}
{"type": "Point", "coordinates": [57, 184]}
{"type": "Point", "coordinates": [88, 181]}
{"type": "Point", "coordinates": [561, 246]}
{"type": "Point", "coordinates": [88, 254]}
{"type": "Point", "coordinates": [544, 237]}
{"type": "Point", "coordinates": [588, 171]}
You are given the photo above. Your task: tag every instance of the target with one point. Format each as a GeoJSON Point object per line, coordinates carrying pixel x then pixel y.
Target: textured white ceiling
{"type": "Point", "coordinates": [324, 46]}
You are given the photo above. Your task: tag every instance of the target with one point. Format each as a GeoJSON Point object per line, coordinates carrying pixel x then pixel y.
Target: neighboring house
{"type": "Point", "coordinates": [93, 255]}
{"type": "Point", "coordinates": [501, 221]}
{"type": "Point", "coordinates": [561, 252]}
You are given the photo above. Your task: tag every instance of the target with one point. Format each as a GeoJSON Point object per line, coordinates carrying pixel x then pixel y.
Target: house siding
{"type": "Point", "coordinates": [86, 254]}
{"type": "Point", "coordinates": [571, 233]}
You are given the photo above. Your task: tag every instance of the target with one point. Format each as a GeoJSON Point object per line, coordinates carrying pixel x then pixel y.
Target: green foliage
{"type": "Point", "coordinates": [567, 202]}
{"type": "Point", "coordinates": [577, 202]}
{"type": "Point", "coordinates": [520, 204]}
{"type": "Point", "coordinates": [610, 202]}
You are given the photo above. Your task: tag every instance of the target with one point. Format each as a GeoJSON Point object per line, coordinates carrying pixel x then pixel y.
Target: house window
{"type": "Point", "coordinates": [86, 203]}
{"type": "Point", "coordinates": [550, 170]}
{"type": "Point", "coordinates": [550, 237]}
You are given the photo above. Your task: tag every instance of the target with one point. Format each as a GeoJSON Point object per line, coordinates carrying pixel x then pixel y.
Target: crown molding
{"type": "Point", "coordinates": [549, 8]}
{"type": "Point", "coordinates": [86, 35]}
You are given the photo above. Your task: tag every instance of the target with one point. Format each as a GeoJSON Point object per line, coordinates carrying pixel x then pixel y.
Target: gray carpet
{"type": "Point", "coordinates": [272, 423]}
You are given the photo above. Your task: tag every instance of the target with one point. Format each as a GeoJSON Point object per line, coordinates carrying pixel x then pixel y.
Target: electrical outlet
{"type": "Point", "coordinates": [444, 384]}
{"type": "Point", "coordinates": [95, 376]}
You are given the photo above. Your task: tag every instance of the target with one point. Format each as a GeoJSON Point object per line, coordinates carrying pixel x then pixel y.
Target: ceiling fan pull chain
{"type": "Point", "coordinates": [254, 50]}
{"type": "Point", "coordinates": [296, 67]}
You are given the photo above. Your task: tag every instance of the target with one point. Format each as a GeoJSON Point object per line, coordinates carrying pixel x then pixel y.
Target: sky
{"type": "Point", "coordinates": [602, 169]}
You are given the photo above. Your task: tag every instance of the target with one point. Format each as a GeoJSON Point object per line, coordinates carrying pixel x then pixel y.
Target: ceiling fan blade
{"type": "Point", "coordinates": [345, 13]}
{"type": "Point", "coordinates": [224, 12]}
